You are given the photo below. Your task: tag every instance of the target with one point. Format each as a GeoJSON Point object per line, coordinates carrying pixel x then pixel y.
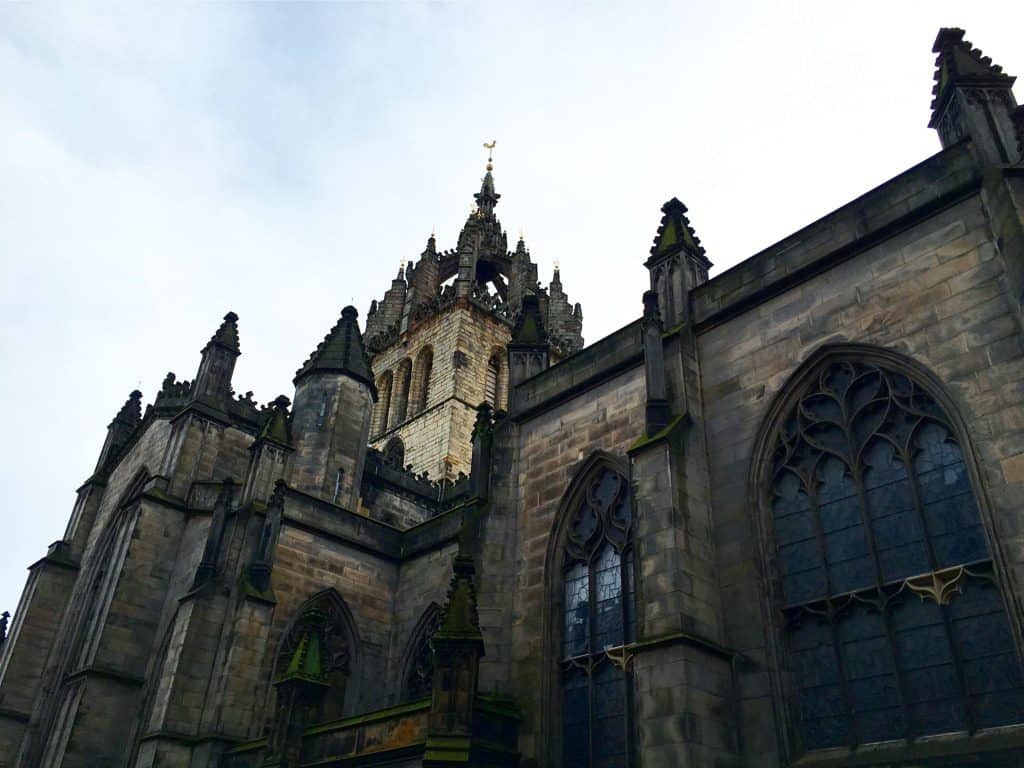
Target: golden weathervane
{"type": "Point", "coordinates": [489, 146]}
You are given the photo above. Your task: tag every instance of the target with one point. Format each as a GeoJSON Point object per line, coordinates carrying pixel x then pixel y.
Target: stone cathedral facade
{"type": "Point", "coordinates": [777, 520]}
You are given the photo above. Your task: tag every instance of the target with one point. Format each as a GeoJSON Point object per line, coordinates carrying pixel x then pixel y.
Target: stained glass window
{"type": "Point", "coordinates": [598, 619]}
{"type": "Point", "coordinates": [895, 623]}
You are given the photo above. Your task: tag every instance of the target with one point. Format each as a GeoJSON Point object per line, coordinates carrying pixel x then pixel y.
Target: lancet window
{"type": "Point", "coordinates": [403, 380]}
{"type": "Point", "coordinates": [893, 614]}
{"type": "Point", "coordinates": [380, 416]}
{"type": "Point", "coordinates": [598, 619]}
{"type": "Point", "coordinates": [424, 367]}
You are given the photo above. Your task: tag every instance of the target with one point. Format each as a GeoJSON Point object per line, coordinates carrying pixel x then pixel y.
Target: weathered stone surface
{"type": "Point", "coordinates": [159, 629]}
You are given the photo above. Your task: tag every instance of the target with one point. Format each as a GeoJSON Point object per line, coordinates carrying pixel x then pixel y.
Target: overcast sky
{"type": "Point", "coordinates": [163, 164]}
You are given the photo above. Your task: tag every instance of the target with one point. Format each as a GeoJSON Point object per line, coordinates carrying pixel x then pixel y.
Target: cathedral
{"type": "Point", "coordinates": [776, 520]}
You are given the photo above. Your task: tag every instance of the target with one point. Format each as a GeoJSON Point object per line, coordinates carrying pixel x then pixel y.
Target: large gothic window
{"type": "Point", "coordinates": [597, 620]}
{"type": "Point", "coordinates": [894, 619]}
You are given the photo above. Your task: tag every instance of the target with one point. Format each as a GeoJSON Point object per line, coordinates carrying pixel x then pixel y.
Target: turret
{"type": "Point", "coordinates": [334, 396]}
{"type": "Point", "coordinates": [119, 430]}
{"type": "Point", "coordinates": [213, 381]}
{"type": "Point", "coordinates": [973, 98]}
{"type": "Point", "coordinates": [677, 264]}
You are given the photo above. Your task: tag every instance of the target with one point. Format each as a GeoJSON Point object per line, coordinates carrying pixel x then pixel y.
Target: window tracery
{"type": "Point", "coordinates": [325, 618]}
{"type": "Point", "coordinates": [419, 670]}
{"type": "Point", "coordinates": [598, 618]}
{"type": "Point", "coordinates": [893, 615]}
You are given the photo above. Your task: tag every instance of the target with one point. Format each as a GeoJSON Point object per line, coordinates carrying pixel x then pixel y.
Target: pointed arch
{"type": "Point", "coordinates": [494, 380]}
{"type": "Point", "coordinates": [872, 519]}
{"type": "Point", "coordinates": [86, 616]}
{"type": "Point", "coordinates": [402, 384]}
{"type": "Point", "coordinates": [420, 394]}
{"type": "Point", "coordinates": [394, 453]}
{"type": "Point", "coordinates": [327, 615]}
{"type": "Point", "coordinates": [383, 407]}
{"type": "Point", "coordinates": [136, 486]}
{"type": "Point", "coordinates": [590, 547]}
{"type": "Point", "coordinates": [418, 658]}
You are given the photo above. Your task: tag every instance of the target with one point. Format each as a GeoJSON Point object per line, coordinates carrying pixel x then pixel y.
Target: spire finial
{"type": "Point", "coordinates": [489, 146]}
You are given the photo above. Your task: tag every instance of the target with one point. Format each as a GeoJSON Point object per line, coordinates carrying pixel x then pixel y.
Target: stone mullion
{"type": "Point", "coordinates": [958, 664]}
{"type": "Point", "coordinates": [844, 684]}
{"type": "Point", "coordinates": [591, 651]}
{"type": "Point", "coordinates": [856, 468]}
{"type": "Point", "coordinates": [869, 533]}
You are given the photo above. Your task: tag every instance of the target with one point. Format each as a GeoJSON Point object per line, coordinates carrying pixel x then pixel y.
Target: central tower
{"type": "Point", "coordinates": [438, 340]}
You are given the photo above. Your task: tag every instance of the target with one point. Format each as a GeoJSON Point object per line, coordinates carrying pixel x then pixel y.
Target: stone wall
{"type": "Point", "coordinates": [308, 563]}
{"type": "Point", "coordinates": [935, 293]}
{"type": "Point", "coordinates": [550, 448]}
{"type": "Point", "coordinates": [421, 581]}
{"type": "Point", "coordinates": [463, 338]}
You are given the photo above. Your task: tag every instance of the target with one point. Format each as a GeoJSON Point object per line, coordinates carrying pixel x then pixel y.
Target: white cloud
{"type": "Point", "coordinates": [161, 164]}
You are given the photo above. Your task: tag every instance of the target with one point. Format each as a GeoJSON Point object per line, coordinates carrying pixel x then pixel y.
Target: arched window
{"type": "Point", "coordinates": [380, 416]}
{"type": "Point", "coordinates": [597, 619]}
{"type": "Point", "coordinates": [418, 678]}
{"type": "Point", "coordinates": [402, 381]}
{"type": "Point", "coordinates": [492, 382]}
{"type": "Point", "coordinates": [323, 620]}
{"type": "Point", "coordinates": [893, 616]}
{"type": "Point", "coordinates": [394, 453]}
{"type": "Point", "coordinates": [424, 366]}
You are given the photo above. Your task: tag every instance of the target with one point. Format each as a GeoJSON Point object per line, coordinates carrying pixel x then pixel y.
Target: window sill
{"type": "Point", "coordinates": [943, 745]}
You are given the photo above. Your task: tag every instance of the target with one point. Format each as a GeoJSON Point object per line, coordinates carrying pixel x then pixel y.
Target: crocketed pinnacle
{"type": "Point", "coordinates": [341, 351]}
{"type": "Point", "coordinates": [276, 427]}
{"type": "Point", "coordinates": [958, 63]}
{"type": "Point", "coordinates": [487, 198]}
{"type": "Point", "coordinates": [529, 327]}
{"type": "Point", "coordinates": [227, 335]}
{"type": "Point", "coordinates": [521, 251]}
{"type": "Point", "coordinates": [306, 662]}
{"type": "Point", "coordinates": [675, 232]}
{"type": "Point", "coordinates": [131, 412]}
{"type": "Point", "coordinates": [459, 620]}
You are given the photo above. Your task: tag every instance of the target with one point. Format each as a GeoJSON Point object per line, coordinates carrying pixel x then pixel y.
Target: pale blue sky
{"type": "Point", "coordinates": [162, 164]}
